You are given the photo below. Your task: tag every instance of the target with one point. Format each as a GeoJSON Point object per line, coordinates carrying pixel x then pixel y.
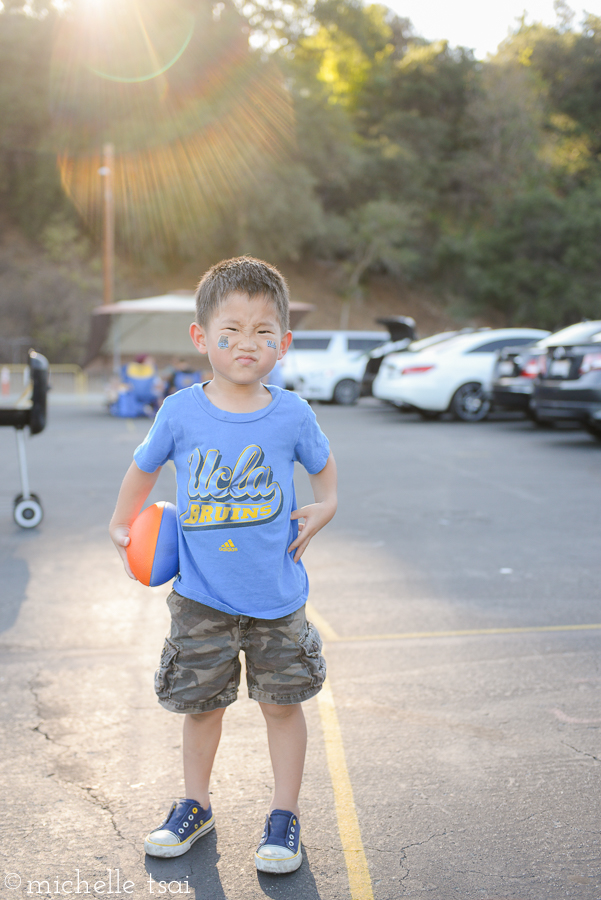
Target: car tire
{"type": "Point", "coordinates": [594, 431]}
{"type": "Point", "coordinates": [346, 392]}
{"type": "Point", "coordinates": [538, 421]}
{"type": "Point", "coordinates": [470, 403]}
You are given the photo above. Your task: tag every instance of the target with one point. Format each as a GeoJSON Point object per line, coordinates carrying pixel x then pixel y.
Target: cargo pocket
{"type": "Point", "coordinates": [310, 644]}
{"type": "Point", "coordinates": [164, 675]}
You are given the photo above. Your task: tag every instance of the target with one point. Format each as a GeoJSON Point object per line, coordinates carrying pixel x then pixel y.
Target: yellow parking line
{"type": "Point", "coordinates": [346, 814]}
{"type": "Point", "coordinates": [329, 634]}
{"type": "Point", "coordinates": [467, 632]}
{"type": "Point", "coordinates": [324, 628]}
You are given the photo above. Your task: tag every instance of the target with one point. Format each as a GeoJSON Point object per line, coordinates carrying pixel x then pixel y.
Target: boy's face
{"type": "Point", "coordinates": [243, 339]}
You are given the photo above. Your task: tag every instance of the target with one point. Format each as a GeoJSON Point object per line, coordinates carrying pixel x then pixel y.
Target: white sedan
{"type": "Point", "coordinates": [454, 375]}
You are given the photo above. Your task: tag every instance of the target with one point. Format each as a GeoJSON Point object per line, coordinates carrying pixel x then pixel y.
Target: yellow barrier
{"type": "Point", "coordinates": [72, 374]}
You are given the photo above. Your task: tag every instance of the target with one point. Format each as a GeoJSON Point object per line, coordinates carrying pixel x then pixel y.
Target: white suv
{"type": "Point", "coordinates": [329, 365]}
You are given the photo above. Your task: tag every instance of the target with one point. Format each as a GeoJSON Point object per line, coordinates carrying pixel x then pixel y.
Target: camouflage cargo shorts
{"type": "Point", "coordinates": [200, 666]}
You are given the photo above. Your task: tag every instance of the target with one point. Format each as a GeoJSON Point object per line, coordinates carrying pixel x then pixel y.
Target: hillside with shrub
{"type": "Point", "coordinates": [382, 172]}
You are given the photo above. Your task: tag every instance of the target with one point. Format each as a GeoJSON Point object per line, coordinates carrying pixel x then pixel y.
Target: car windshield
{"type": "Point", "coordinates": [310, 343]}
{"type": "Point", "coordinates": [574, 334]}
{"type": "Point", "coordinates": [458, 342]}
{"type": "Point", "coordinates": [485, 341]}
{"type": "Point", "coordinates": [364, 344]}
{"type": "Point", "coordinates": [422, 344]}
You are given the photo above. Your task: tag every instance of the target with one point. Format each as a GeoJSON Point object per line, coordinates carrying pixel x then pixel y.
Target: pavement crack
{"type": "Point", "coordinates": [582, 752]}
{"type": "Point", "coordinates": [403, 866]}
{"type": "Point", "coordinates": [38, 728]}
{"type": "Point", "coordinates": [403, 857]}
{"type": "Point", "coordinates": [494, 875]}
{"type": "Point", "coordinates": [37, 705]}
{"type": "Point", "coordinates": [322, 849]}
{"type": "Point", "coordinates": [379, 850]}
{"type": "Point", "coordinates": [87, 791]}
{"type": "Point", "coordinates": [103, 804]}
{"type": "Point", "coordinates": [425, 841]}
{"type": "Point", "coordinates": [526, 818]}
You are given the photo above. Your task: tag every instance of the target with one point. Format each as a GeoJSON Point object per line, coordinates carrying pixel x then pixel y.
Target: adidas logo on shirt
{"type": "Point", "coordinates": [229, 545]}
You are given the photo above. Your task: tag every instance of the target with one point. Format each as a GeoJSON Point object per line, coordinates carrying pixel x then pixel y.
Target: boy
{"type": "Point", "coordinates": [241, 584]}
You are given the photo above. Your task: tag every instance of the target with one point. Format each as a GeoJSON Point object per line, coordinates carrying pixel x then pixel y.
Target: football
{"type": "Point", "coordinates": [152, 550]}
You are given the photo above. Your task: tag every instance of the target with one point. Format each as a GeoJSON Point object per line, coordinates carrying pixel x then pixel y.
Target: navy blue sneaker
{"type": "Point", "coordinates": [185, 823]}
{"type": "Point", "coordinates": [279, 851]}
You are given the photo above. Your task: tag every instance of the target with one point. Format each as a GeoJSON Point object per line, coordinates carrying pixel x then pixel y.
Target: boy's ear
{"type": "Point", "coordinates": [198, 337]}
{"type": "Point", "coordinates": [284, 344]}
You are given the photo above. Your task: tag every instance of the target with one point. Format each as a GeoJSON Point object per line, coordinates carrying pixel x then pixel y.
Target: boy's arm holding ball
{"type": "Point", "coordinates": [317, 514]}
{"type": "Point", "coordinates": [135, 488]}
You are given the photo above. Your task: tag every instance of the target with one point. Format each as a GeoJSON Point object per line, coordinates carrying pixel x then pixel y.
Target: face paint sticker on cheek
{"type": "Point", "coordinates": [272, 344]}
{"type": "Point", "coordinates": [223, 342]}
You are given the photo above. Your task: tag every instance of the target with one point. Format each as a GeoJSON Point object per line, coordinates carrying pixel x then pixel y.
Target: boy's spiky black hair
{"type": "Point", "coordinates": [248, 276]}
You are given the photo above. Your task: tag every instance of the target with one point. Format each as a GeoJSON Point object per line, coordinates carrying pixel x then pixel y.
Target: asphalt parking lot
{"type": "Point", "coordinates": [456, 753]}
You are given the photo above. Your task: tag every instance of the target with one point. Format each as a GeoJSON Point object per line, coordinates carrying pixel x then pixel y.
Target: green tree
{"type": "Point", "coordinates": [279, 213]}
{"type": "Point", "coordinates": [30, 190]}
{"type": "Point", "coordinates": [379, 235]}
{"type": "Point", "coordinates": [539, 264]}
{"type": "Point", "coordinates": [567, 64]}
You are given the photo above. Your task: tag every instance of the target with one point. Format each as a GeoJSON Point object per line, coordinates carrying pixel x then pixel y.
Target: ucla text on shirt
{"type": "Point", "coordinates": [221, 497]}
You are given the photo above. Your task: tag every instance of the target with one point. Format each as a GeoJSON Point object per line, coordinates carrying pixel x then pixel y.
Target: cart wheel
{"type": "Point", "coordinates": [28, 513]}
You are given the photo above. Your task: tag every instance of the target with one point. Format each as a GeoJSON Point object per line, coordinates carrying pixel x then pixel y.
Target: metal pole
{"type": "Point", "coordinates": [23, 463]}
{"type": "Point", "coordinates": [116, 344]}
{"type": "Point", "coordinates": [109, 224]}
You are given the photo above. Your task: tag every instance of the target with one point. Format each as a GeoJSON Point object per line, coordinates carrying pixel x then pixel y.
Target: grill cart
{"type": "Point", "coordinates": [27, 511]}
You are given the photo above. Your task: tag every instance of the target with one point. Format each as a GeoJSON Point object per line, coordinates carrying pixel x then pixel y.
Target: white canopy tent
{"type": "Point", "coordinates": [154, 325]}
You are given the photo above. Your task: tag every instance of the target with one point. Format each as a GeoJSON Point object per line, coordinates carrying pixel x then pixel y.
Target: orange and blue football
{"type": "Point", "coordinates": [152, 550]}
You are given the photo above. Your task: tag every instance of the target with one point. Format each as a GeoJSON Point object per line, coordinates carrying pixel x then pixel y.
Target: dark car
{"type": "Point", "coordinates": [513, 377]}
{"type": "Point", "coordinates": [402, 333]}
{"type": "Point", "coordinates": [568, 387]}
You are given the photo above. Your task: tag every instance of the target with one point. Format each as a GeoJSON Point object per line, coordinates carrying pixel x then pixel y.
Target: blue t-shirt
{"type": "Point", "coordinates": [235, 493]}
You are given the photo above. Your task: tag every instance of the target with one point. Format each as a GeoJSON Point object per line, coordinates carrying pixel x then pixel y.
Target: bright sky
{"type": "Point", "coordinates": [479, 24]}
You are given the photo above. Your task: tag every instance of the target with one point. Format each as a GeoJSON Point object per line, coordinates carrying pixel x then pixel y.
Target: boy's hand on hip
{"type": "Point", "coordinates": [120, 538]}
{"type": "Point", "coordinates": [315, 516]}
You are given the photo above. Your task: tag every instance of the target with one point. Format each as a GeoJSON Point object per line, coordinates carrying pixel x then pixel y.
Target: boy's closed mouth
{"type": "Point", "coordinates": [246, 359]}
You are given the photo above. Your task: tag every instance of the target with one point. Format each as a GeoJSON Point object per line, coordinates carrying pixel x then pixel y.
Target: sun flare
{"type": "Point", "coordinates": [192, 112]}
